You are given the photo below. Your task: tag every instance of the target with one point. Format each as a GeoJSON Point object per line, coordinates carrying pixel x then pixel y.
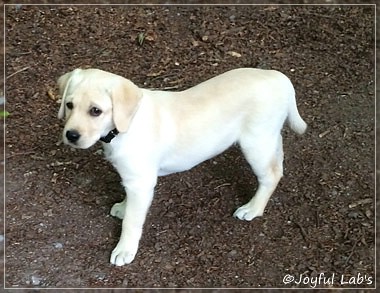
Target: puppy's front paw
{"type": "Point", "coordinates": [247, 212]}
{"type": "Point", "coordinates": [118, 210]}
{"type": "Point", "coordinates": [122, 255]}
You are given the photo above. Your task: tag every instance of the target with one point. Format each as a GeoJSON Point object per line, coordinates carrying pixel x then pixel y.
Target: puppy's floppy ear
{"type": "Point", "coordinates": [63, 85]}
{"type": "Point", "coordinates": [125, 97]}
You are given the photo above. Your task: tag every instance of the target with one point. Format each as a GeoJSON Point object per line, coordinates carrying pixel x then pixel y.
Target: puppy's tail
{"type": "Point", "coordinates": [294, 119]}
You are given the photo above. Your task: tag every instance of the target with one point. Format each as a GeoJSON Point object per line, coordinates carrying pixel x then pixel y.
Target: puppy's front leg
{"type": "Point", "coordinates": [139, 198]}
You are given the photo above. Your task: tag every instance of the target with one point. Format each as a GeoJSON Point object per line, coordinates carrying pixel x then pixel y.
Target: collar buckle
{"type": "Point", "coordinates": [110, 136]}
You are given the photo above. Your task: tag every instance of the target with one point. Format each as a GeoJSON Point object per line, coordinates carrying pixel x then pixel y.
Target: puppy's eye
{"type": "Point", "coordinates": [95, 111]}
{"type": "Point", "coordinates": [69, 105]}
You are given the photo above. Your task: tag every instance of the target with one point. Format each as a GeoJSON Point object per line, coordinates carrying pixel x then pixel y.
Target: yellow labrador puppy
{"type": "Point", "coordinates": [148, 133]}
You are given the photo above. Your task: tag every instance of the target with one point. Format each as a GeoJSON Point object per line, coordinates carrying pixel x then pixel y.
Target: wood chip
{"type": "Point", "coordinates": [324, 133]}
{"type": "Point", "coordinates": [360, 202]}
{"type": "Point", "coordinates": [234, 54]}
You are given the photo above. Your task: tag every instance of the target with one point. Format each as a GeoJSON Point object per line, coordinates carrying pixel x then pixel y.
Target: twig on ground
{"type": "Point", "coordinates": [19, 154]}
{"type": "Point", "coordinates": [166, 88]}
{"type": "Point", "coordinates": [303, 232]}
{"type": "Point", "coordinates": [18, 71]}
{"type": "Point", "coordinates": [317, 218]}
{"type": "Point", "coordinates": [221, 185]}
{"type": "Point", "coordinates": [351, 253]}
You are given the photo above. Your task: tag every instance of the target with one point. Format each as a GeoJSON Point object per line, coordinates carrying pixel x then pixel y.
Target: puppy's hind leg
{"type": "Point", "coordinates": [265, 156]}
{"type": "Point", "coordinates": [118, 209]}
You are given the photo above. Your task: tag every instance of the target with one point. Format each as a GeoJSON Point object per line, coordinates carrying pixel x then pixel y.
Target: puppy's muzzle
{"type": "Point", "coordinates": [72, 136]}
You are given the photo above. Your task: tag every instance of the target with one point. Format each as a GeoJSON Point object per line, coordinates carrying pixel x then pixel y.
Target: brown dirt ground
{"type": "Point", "coordinates": [321, 219]}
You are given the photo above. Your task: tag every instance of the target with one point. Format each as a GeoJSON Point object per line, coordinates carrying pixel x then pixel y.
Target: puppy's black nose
{"type": "Point", "coordinates": [72, 135]}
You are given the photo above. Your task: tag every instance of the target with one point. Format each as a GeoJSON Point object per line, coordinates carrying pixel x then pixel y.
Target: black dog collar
{"type": "Point", "coordinates": [111, 135]}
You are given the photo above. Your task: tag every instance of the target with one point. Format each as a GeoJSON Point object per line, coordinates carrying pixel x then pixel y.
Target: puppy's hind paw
{"type": "Point", "coordinates": [247, 212]}
{"type": "Point", "coordinates": [118, 210]}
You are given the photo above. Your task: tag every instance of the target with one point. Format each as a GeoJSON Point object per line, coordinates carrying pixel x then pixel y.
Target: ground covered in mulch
{"type": "Point", "coordinates": [319, 223]}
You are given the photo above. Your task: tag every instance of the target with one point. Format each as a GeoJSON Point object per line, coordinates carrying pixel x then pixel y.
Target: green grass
{"type": "Point", "coordinates": [4, 113]}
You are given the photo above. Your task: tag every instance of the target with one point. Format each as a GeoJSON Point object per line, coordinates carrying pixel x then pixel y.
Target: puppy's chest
{"type": "Point", "coordinates": [112, 155]}
{"type": "Point", "coordinates": [124, 159]}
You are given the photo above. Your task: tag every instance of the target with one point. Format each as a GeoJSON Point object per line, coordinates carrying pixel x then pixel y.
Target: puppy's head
{"type": "Point", "coordinates": [93, 103]}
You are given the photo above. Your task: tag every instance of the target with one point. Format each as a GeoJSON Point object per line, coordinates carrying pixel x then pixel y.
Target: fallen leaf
{"type": "Point", "coordinates": [51, 95]}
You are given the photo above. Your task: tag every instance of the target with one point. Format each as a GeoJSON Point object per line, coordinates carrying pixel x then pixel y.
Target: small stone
{"type": "Point", "coordinates": [36, 281]}
{"type": "Point", "coordinates": [204, 38]}
{"type": "Point", "coordinates": [58, 245]}
{"type": "Point", "coordinates": [101, 276]}
{"type": "Point", "coordinates": [168, 267]}
{"type": "Point", "coordinates": [353, 215]}
{"type": "Point", "coordinates": [232, 253]}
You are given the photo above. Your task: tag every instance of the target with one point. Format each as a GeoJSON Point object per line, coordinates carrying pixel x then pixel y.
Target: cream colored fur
{"type": "Point", "coordinates": [164, 132]}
